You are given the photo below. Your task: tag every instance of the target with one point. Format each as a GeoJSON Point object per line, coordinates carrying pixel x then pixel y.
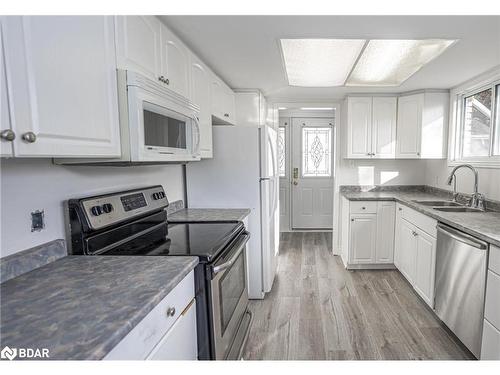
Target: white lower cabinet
{"type": "Point", "coordinates": [415, 251]}
{"type": "Point", "coordinates": [367, 233]}
{"type": "Point", "coordinates": [425, 266]}
{"type": "Point", "coordinates": [363, 231]}
{"type": "Point", "coordinates": [179, 343]}
{"type": "Point", "coordinates": [167, 332]}
{"type": "Point", "coordinates": [490, 348]}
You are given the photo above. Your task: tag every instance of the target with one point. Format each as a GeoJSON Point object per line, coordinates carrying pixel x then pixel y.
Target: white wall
{"type": "Point", "coordinates": [30, 184]}
{"type": "Point", "coordinates": [489, 179]}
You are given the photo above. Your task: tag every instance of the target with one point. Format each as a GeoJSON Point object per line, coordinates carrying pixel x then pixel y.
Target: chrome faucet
{"type": "Point", "coordinates": [477, 199]}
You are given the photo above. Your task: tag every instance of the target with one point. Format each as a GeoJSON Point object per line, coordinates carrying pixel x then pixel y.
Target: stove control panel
{"type": "Point", "coordinates": [105, 210]}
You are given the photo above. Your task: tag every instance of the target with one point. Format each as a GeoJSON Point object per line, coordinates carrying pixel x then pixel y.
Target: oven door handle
{"type": "Point", "coordinates": [240, 245]}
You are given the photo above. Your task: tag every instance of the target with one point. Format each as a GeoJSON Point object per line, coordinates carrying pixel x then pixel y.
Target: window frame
{"type": "Point", "coordinates": [458, 124]}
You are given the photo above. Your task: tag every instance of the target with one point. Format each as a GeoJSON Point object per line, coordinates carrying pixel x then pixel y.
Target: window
{"type": "Point", "coordinates": [282, 152]}
{"type": "Point", "coordinates": [316, 152]}
{"type": "Point", "coordinates": [478, 128]}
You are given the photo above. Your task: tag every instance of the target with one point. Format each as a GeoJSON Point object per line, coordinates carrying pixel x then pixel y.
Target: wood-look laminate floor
{"type": "Point", "coordinates": [319, 310]}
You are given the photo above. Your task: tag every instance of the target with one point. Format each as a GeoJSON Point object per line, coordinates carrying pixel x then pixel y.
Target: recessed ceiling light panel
{"type": "Point", "coordinates": [319, 62]}
{"type": "Point", "coordinates": [391, 62]}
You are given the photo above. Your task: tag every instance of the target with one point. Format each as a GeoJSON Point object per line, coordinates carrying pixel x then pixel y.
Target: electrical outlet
{"type": "Point", "coordinates": [37, 221]}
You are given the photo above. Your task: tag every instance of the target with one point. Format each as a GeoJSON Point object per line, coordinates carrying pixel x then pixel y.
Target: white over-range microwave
{"type": "Point", "coordinates": [157, 125]}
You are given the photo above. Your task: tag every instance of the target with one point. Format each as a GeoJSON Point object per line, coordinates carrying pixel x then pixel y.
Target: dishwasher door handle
{"type": "Point", "coordinates": [462, 237]}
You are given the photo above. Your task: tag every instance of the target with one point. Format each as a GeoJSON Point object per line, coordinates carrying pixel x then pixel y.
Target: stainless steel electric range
{"type": "Point", "coordinates": [135, 223]}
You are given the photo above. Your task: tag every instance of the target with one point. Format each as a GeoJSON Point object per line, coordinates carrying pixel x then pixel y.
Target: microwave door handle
{"type": "Point", "coordinates": [196, 149]}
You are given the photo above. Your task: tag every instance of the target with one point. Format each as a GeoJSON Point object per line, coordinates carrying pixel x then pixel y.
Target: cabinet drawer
{"type": "Point", "coordinates": [180, 342]}
{"type": "Point", "coordinates": [492, 304]}
{"type": "Point", "coordinates": [421, 221]}
{"type": "Point", "coordinates": [363, 207]}
{"type": "Point", "coordinates": [494, 259]}
{"type": "Point", "coordinates": [145, 336]}
{"type": "Point", "coordinates": [490, 347]}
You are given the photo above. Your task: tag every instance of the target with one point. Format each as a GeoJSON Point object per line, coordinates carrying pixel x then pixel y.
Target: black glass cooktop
{"type": "Point", "coordinates": [204, 240]}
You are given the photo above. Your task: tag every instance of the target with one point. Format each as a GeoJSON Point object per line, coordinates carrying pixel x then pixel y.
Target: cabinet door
{"type": "Point", "coordinates": [363, 234]}
{"type": "Point", "coordinates": [409, 126]}
{"type": "Point", "coordinates": [397, 236]}
{"type": "Point", "coordinates": [407, 249]}
{"type": "Point", "coordinates": [175, 62]}
{"type": "Point", "coordinates": [200, 79]}
{"type": "Point", "coordinates": [385, 232]}
{"type": "Point", "coordinates": [425, 267]}
{"type": "Point", "coordinates": [359, 127]}
{"type": "Point", "coordinates": [64, 92]}
{"type": "Point", "coordinates": [180, 342]}
{"type": "Point", "coordinates": [5, 145]}
{"type": "Point", "coordinates": [490, 347]}
{"type": "Point", "coordinates": [384, 127]}
{"type": "Point", "coordinates": [138, 44]}
{"type": "Point", "coordinates": [223, 103]}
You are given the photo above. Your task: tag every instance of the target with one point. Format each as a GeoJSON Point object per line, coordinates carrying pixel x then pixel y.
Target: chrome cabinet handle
{"type": "Point", "coordinates": [171, 311]}
{"type": "Point", "coordinates": [29, 137]}
{"type": "Point", "coordinates": [7, 135]}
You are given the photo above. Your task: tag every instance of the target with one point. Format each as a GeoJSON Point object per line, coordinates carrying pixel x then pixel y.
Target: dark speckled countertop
{"type": "Point", "coordinates": [483, 225]}
{"type": "Point", "coordinates": [80, 307]}
{"type": "Point", "coordinates": [208, 214]}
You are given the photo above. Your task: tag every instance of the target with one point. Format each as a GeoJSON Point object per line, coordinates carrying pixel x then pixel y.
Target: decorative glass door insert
{"type": "Point", "coordinates": [316, 152]}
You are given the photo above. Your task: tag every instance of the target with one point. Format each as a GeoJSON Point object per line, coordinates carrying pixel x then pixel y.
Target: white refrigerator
{"type": "Point", "coordinates": [243, 173]}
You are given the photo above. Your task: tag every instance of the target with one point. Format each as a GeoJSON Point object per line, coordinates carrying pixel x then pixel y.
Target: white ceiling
{"type": "Point", "coordinates": [244, 50]}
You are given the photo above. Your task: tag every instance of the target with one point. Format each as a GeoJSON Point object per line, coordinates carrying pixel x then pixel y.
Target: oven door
{"type": "Point", "coordinates": [229, 295]}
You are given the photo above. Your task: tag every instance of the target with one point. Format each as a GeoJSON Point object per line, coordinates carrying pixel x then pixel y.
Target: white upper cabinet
{"type": "Point", "coordinates": [384, 127]}
{"type": "Point", "coordinates": [409, 126]}
{"type": "Point", "coordinates": [359, 127]}
{"type": "Point", "coordinates": [422, 126]}
{"type": "Point", "coordinates": [62, 74]}
{"type": "Point", "coordinates": [200, 88]}
{"type": "Point", "coordinates": [6, 133]}
{"type": "Point", "coordinates": [223, 103]}
{"type": "Point", "coordinates": [251, 108]}
{"type": "Point", "coordinates": [138, 46]}
{"type": "Point", "coordinates": [174, 63]}
{"type": "Point", "coordinates": [371, 131]}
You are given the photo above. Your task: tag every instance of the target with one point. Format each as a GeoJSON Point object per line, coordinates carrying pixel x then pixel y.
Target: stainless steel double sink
{"type": "Point", "coordinates": [447, 206]}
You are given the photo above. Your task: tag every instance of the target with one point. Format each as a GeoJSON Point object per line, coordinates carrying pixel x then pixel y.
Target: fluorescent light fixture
{"type": "Point", "coordinates": [391, 62]}
{"type": "Point", "coordinates": [316, 109]}
{"type": "Point", "coordinates": [319, 62]}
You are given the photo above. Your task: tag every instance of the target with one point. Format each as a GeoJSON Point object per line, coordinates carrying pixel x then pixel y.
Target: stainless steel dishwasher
{"type": "Point", "coordinates": [461, 264]}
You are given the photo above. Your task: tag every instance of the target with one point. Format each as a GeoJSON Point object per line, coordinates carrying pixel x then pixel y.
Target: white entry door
{"type": "Point", "coordinates": [312, 174]}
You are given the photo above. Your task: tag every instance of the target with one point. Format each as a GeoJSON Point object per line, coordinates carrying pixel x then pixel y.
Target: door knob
{"type": "Point", "coordinates": [171, 311]}
{"type": "Point", "coordinates": [7, 135]}
{"type": "Point", "coordinates": [29, 137]}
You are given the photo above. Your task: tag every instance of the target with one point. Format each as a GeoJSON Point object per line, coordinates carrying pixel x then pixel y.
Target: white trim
{"type": "Point", "coordinates": [489, 79]}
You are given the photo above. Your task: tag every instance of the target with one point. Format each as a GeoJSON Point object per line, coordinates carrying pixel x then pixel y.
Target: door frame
{"type": "Point", "coordinates": [293, 109]}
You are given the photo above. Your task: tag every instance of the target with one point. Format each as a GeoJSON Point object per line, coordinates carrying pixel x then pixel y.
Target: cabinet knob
{"type": "Point", "coordinates": [167, 81]}
{"type": "Point", "coordinates": [7, 135]}
{"type": "Point", "coordinates": [400, 209]}
{"type": "Point", "coordinates": [418, 153]}
{"type": "Point", "coordinates": [352, 219]}
{"type": "Point", "coordinates": [171, 311]}
{"type": "Point", "coordinates": [161, 79]}
{"type": "Point", "coordinates": [226, 114]}
{"type": "Point", "coordinates": [29, 137]}
{"type": "Point", "coordinates": [363, 208]}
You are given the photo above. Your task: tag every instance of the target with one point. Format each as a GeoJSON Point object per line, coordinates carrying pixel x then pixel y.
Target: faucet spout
{"type": "Point", "coordinates": [477, 200]}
